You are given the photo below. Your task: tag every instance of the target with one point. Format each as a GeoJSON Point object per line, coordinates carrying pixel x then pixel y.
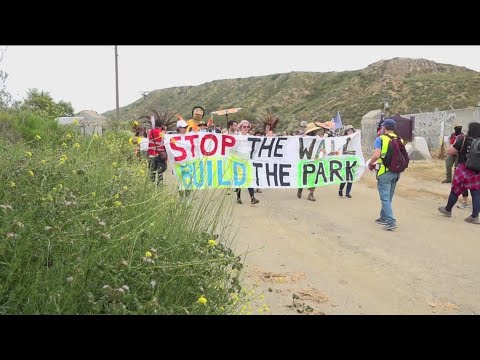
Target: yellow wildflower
{"type": "Point", "coordinates": [28, 153]}
{"type": "Point", "coordinates": [135, 123]}
{"type": "Point", "coordinates": [95, 136]}
{"type": "Point", "coordinates": [212, 243]}
{"type": "Point", "coordinates": [94, 194]}
{"type": "Point", "coordinates": [130, 140]}
{"type": "Point", "coordinates": [139, 140]}
{"type": "Point", "coordinates": [49, 197]}
{"type": "Point", "coordinates": [202, 300]}
{"type": "Point", "coordinates": [63, 157]}
{"type": "Point", "coordinates": [75, 122]}
{"type": "Point", "coordinates": [31, 173]}
{"type": "Point", "coordinates": [64, 144]}
{"type": "Point", "coordinates": [114, 164]}
{"type": "Point", "coordinates": [76, 146]}
{"type": "Point", "coordinates": [116, 196]}
{"type": "Point", "coordinates": [12, 184]}
{"type": "Point", "coordinates": [118, 203]}
{"type": "Point", "coordinates": [125, 188]}
{"type": "Point", "coordinates": [38, 137]}
{"type": "Point", "coordinates": [142, 172]}
{"type": "Point", "coordinates": [148, 254]}
{"type": "Point", "coordinates": [68, 136]}
{"type": "Point", "coordinates": [43, 162]}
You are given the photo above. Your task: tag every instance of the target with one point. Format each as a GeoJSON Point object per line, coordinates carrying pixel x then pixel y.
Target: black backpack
{"type": "Point", "coordinates": [473, 155]}
{"type": "Point", "coordinates": [396, 159]}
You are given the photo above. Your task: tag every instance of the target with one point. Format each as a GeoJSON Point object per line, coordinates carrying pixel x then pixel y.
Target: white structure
{"type": "Point", "coordinates": [89, 122]}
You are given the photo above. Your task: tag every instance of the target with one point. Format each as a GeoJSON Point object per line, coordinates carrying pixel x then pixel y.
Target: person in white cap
{"type": "Point", "coordinates": [182, 127]}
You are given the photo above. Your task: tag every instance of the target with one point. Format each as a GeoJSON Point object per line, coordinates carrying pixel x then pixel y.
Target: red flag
{"type": "Point", "coordinates": [209, 122]}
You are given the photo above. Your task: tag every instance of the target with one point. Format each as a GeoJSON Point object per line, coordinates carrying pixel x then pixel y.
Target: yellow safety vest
{"type": "Point", "coordinates": [383, 152]}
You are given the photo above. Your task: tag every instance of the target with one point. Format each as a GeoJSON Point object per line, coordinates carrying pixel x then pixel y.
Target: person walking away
{"type": "Point", "coordinates": [467, 173]}
{"type": "Point", "coordinates": [390, 159]}
{"type": "Point", "coordinates": [452, 160]}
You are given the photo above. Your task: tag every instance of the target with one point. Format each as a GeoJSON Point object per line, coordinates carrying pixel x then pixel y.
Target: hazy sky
{"type": "Point", "coordinates": [85, 75]}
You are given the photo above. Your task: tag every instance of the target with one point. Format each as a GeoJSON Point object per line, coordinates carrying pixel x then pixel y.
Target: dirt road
{"type": "Point", "coordinates": [330, 257]}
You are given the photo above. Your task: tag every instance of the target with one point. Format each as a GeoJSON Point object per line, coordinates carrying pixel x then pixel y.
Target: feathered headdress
{"type": "Point", "coordinates": [268, 118]}
{"type": "Point", "coordinates": [166, 119]}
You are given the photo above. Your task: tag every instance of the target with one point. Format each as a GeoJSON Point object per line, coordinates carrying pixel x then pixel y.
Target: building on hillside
{"type": "Point", "coordinates": [89, 122]}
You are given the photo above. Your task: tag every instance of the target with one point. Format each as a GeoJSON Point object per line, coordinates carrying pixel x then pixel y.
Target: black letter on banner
{"type": "Point", "coordinates": [348, 170]}
{"type": "Point", "coordinates": [346, 145]}
{"type": "Point", "coordinates": [335, 170]}
{"type": "Point", "coordinates": [279, 146]}
{"type": "Point", "coordinates": [253, 140]}
{"type": "Point", "coordinates": [321, 171]}
{"type": "Point", "coordinates": [304, 150]}
{"type": "Point", "coordinates": [271, 173]}
{"type": "Point", "coordinates": [257, 165]}
{"type": "Point", "coordinates": [284, 173]}
{"type": "Point", "coordinates": [306, 172]}
{"type": "Point", "coordinates": [266, 147]}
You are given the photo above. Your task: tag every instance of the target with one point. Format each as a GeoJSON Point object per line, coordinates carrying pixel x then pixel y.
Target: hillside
{"type": "Point", "coordinates": [409, 84]}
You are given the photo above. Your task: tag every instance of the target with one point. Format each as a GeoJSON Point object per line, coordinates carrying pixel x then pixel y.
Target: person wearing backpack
{"type": "Point", "coordinates": [467, 173]}
{"type": "Point", "coordinates": [390, 158]}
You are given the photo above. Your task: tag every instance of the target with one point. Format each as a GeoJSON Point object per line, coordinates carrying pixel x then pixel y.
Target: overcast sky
{"type": "Point", "coordinates": [85, 75]}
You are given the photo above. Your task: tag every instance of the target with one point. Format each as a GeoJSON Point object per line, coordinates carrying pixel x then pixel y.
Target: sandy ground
{"type": "Point", "coordinates": [329, 257]}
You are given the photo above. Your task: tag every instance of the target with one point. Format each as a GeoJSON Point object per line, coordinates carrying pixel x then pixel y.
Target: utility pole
{"type": "Point", "coordinates": [116, 81]}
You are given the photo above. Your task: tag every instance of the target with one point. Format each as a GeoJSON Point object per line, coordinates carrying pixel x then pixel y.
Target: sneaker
{"type": "Point", "coordinates": [390, 227]}
{"type": "Point", "coordinates": [259, 191]}
{"type": "Point", "coordinates": [348, 196]}
{"type": "Point", "coordinates": [472, 220]}
{"type": "Point", "coordinates": [381, 221]}
{"type": "Point", "coordinates": [340, 193]}
{"type": "Point", "coordinates": [463, 206]}
{"type": "Point", "coordinates": [444, 211]}
{"type": "Point", "coordinates": [255, 201]}
{"type": "Point", "coordinates": [311, 198]}
{"type": "Point", "coordinates": [446, 181]}
{"type": "Point", "coordinates": [299, 193]}
{"type": "Point", "coordinates": [239, 201]}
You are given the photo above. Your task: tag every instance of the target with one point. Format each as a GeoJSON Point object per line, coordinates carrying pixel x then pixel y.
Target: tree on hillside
{"type": "Point", "coordinates": [5, 97]}
{"type": "Point", "coordinates": [42, 103]}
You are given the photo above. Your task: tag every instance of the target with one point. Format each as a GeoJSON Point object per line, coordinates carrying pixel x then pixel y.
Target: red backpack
{"type": "Point", "coordinates": [396, 160]}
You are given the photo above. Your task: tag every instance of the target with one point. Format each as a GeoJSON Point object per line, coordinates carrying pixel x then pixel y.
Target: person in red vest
{"type": "Point", "coordinates": [157, 154]}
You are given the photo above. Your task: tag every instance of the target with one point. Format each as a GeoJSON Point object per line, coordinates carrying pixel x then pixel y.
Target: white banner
{"type": "Point", "coordinates": [208, 160]}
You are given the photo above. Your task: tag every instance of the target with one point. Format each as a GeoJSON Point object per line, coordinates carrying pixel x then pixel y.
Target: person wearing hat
{"type": "Point", "coordinates": [452, 160]}
{"type": "Point", "coordinates": [349, 130]}
{"type": "Point", "coordinates": [202, 126]}
{"type": "Point", "coordinates": [182, 127]}
{"type": "Point", "coordinates": [310, 130]}
{"type": "Point", "coordinates": [386, 180]}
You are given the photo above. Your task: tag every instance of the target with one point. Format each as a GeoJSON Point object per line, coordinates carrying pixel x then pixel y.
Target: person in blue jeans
{"type": "Point", "coordinates": [386, 180]}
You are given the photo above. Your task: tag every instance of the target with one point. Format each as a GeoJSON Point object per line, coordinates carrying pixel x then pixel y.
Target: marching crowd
{"type": "Point", "coordinates": [389, 158]}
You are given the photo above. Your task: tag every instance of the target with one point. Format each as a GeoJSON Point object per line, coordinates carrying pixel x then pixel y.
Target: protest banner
{"type": "Point", "coordinates": [209, 160]}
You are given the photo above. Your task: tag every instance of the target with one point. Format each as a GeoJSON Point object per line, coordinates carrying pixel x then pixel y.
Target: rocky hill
{"type": "Point", "coordinates": [409, 85]}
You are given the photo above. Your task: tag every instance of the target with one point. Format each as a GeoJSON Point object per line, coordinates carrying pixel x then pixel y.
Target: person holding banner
{"type": "Point", "coordinates": [244, 127]}
{"type": "Point", "coordinates": [349, 130]}
{"type": "Point", "coordinates": [311, 130]}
